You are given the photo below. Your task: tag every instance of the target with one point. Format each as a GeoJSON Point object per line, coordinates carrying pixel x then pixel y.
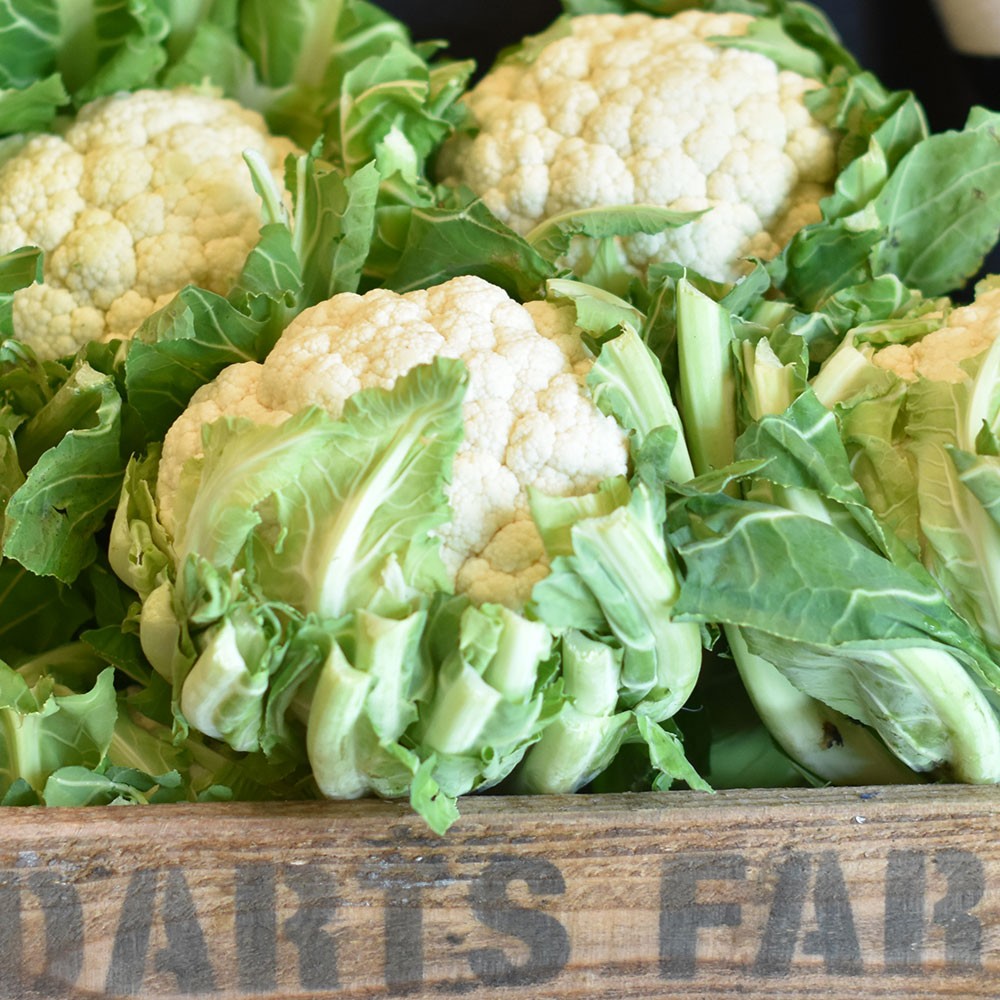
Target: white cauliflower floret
{"type": "Point", "coordinates": [231, 394]}
{"type": "Point", "coordinates": [140, 195]}
{"type": "Point", "coordinates": [637, 109]}
{"type": "Point", "coordinates": [529, 418]}
{"type": "Point", "coordinates": [966, 331]}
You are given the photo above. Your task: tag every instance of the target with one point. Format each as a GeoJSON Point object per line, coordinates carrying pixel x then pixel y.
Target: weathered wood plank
{"type": "Point", "coordinates": [827, 893]}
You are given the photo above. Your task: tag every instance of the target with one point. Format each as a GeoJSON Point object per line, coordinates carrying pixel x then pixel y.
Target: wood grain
{"type": "Point", "coordinates": [828, 893]}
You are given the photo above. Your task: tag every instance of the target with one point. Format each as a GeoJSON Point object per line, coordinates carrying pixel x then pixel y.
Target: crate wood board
{"type": "Point", "coordinates": [892, 892]}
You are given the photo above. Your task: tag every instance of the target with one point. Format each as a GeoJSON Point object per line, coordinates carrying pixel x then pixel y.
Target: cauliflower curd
{"type": "Point", "coordinates": [966, 332]}
{"type": "Point", "coordinates": [140, 195]}
{"type": "Point", "coordinates": [529, 418]}
{"type": "Point", "coordinates": [637, 109]}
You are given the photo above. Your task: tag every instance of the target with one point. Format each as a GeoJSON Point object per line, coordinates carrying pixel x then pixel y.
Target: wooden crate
{"type": "Point", "coordinates": [887, 892]}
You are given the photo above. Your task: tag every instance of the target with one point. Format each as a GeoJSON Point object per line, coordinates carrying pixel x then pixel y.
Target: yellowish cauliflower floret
{"type": "Point", "coordinates": [140, 195]}
{"type": "Point", "coordinates": [529, 418]}
{"type": "Point", "coordinates": [637, 109]}
{"type": "Point", "coordinates": [967, 331]}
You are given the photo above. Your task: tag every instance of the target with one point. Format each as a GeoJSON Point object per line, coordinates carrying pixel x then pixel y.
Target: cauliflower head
{"type": "Point", "coordinates": [529, 418]}
{"type": "Point", "coordinates": [965, 332]}
{"type": "Point", "coordinates": [140, 195]}
{"type": "Point", "coordinates": [636, 109]}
